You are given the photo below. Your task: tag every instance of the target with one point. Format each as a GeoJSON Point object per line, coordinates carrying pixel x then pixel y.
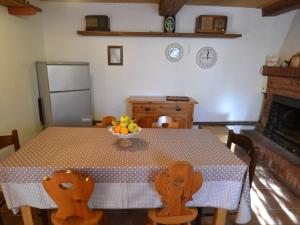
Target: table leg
{"type": "Point", "coordinates": [27, 215]}
{"type": "Point", "coordinates": [219, 216]}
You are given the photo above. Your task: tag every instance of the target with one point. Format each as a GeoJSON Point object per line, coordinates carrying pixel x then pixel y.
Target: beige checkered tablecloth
{"type": "Point", "coordinates": [124, 176]}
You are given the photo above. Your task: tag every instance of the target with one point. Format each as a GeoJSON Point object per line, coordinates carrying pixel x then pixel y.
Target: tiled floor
{"type": "Point", "coordinates": [272, 203]}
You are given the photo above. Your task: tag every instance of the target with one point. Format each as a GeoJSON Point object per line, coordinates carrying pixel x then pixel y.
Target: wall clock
{"type": "Point", "coordinates": [206, 57]}
{"type": "Point", "coordinates": [174, 52]}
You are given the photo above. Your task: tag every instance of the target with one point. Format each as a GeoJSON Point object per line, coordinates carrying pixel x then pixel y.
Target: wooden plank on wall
{"type": "Point", "coordinates": [157, 34]}
{"type": "Point", "coordinates": [170, 7]}
{"type": "Point", "coordinates": [279, 7]}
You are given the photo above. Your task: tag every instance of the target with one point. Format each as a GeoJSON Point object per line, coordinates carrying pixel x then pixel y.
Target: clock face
{"type": "Point", "coordinates": [206, 57]}
{"type": "Point", "coordinates": [174, 52]}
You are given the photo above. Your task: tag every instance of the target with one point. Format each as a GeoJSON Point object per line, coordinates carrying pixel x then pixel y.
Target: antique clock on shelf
{"type": "Point", "coordinates": [206, 57]}
{"type": "Point", "coordinates": [97, 23]}
{"type": "Point", "coordinates": [211, 24]}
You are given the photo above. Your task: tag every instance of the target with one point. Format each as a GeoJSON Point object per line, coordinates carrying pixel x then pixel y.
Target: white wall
{"type": "Point", "coordinates": [291, 43]}
{"type": "Point", "coordinates": [21, 43]}
{"type": "Point", "coordinates": [230, 91]}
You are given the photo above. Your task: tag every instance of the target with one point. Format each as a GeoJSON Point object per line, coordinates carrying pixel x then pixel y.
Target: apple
{"type": "Point", "coordinates": [133, 127]}
{"type": "Point", "coordinates": [124, 124]}
{"type": "Point", "coordinates": [124, 118]}
{"type": "Point", "coordinates": [114, 123]}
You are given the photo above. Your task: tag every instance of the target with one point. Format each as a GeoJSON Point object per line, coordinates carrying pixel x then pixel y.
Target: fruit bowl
{"type": "Point", "coordinates": [129, 135]}
{"type": "Point", "coordinates": [124, 129]}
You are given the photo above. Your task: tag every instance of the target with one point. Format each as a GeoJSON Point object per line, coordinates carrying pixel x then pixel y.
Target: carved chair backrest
{"type": "Point", "coordinates": [176, 187]}
{"type": "Point", "coordinates": [166, 122]}
{"type": "Point", "coordinates": [247, 144]}
{"type": "Point", "coordinates": [11, 139]}
{"type": "Point", "coordinates": [71, 192]}
{"type": "Point", "coordinates": [146, 122]}
{"type": "Point", "coordinates": [106, 121]}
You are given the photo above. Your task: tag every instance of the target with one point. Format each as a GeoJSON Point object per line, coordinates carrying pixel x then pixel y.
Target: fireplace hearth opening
{"type": "Point", "coordinates": [283, 124]}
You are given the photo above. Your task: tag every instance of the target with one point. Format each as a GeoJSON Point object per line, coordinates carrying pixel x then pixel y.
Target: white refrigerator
{"type": "Point", "coordinates": [64, 94]}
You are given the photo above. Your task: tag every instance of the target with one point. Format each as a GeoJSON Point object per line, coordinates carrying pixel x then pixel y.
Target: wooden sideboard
{"type": "Point", "coordinates": [156, 106]}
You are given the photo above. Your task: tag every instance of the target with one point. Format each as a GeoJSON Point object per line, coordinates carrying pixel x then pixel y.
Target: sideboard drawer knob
{"type": "Point", "coordinates": [178, 109]}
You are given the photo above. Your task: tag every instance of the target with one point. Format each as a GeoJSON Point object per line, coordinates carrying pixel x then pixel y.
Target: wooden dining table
{"type": "Point", "coordinates": [125, 176]}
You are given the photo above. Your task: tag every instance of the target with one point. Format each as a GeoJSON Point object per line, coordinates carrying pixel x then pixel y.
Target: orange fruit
{"type": "Point", "coordinates": [117, 129]}
{"type": "Point", "coordinates": [124, 130]}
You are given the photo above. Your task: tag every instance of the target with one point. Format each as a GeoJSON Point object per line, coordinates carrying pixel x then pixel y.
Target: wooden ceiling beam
{"type": "Point", "coordinates": [227, 3]}
{"type": "Point", "coordinates": [170, 7]}
{"type": "Point", "coordinates": [279, 7]}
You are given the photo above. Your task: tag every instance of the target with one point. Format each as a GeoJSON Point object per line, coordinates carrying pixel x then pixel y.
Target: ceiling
{"type": "Point", "coordinates": [230, 3]}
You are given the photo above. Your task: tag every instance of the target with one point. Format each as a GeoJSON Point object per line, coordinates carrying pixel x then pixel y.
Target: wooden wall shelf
{"type": "Point", "coordinates": [20, 7]}
{"type": "Point", "coordinates": [157, 34]}
{"type": "Point", "coordinates": [277, 71]}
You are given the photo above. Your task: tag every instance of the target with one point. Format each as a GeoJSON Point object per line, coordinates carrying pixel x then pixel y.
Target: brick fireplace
{"type": "Point", "coordinates": [283, 126]}
{"type": "Point", "coordinates": [280, 137]}
{"type": "Point", "coordinates": [281, 86]}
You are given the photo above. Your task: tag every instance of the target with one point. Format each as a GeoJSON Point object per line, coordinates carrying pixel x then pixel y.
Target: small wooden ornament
{"type": "Point", "coordinates": [169, 24]}
{"type": "Point", "coordinates": [295, 60]}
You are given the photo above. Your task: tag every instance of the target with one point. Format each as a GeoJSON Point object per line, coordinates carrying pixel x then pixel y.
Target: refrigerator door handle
{"type": "Point", "coordinates": [40, 105]}
{"type": "Point", "coordinates": [86, 119]}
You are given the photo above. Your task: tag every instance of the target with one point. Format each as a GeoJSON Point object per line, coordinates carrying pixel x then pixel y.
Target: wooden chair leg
{"type": "Point", "coordinates": [197, 221]}
{"type": "Point", "coordinates": [219, 216]}
{"type": "Point", "coordinates": [27, 215]}
{"type": "Point", "coordinates": [44, 216]}
{"type": "Point", "coordinates": [149, 221]}
{"type": "Point", "coordinates": [1, 221]}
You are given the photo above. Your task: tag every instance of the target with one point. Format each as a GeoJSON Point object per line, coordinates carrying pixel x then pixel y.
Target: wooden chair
{"type": "Point", "coordinates": [11, 139]}
{"type": "Point", "coordinates": [176, 188]}
{"type": "Point", "coordinates": [6, 141]}
{"type": "Point", "coordinates": [146, 122]}
{"type": "Point", "coordinates": [166, 122]}
{"type": "Point", "coordinates": [71, 192]}
{"type": "Point", "coordinates": [106, 121]}
{"type": "Point", "coordinates": [247, 145]}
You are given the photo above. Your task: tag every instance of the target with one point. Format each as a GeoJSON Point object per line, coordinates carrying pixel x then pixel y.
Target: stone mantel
{"type": "Point", "coordinates": [277, 71]}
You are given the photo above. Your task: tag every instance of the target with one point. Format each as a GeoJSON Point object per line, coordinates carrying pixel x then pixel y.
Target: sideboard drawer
{"type": "Point", "coordinates": [175, 108]}
{"type": "Point", "coordinates": [143, 108]}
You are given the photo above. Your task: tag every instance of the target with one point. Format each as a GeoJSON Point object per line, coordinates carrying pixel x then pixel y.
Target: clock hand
{"type": "Point", "coordinates": [207, 55]}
